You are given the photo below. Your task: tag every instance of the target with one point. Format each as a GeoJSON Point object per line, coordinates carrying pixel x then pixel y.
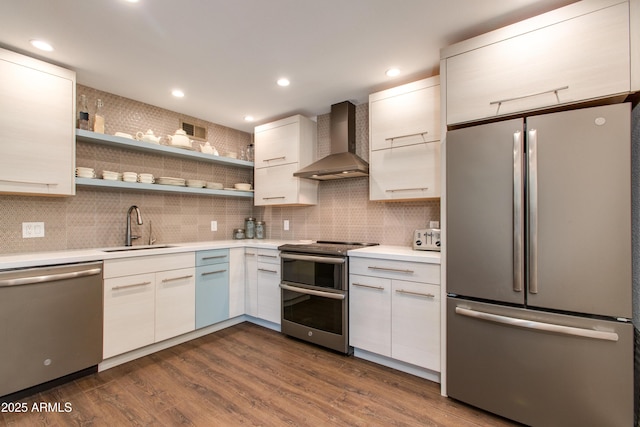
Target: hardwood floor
{"type": "Point", "coordinates": [248, 375]}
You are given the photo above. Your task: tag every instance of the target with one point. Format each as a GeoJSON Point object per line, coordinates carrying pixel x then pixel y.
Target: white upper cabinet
{"type": "Point", "coordinates": [37, 129]}
{"type": "Point", "coordinates": [405, 115]}
{"type": "Point", "coordinates": [282, 148]}
{"type": "Point", "coordinates": [404, 150]}
{"type": "Point", "coordinates": [577, 53]}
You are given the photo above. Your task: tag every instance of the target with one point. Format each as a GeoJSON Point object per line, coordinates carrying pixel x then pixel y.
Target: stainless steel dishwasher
{"type": "Point", "coordinates": [50, 324]}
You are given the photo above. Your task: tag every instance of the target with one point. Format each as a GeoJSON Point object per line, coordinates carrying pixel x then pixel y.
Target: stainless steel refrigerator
{"type": "Point", "coordinates": [538, 267]}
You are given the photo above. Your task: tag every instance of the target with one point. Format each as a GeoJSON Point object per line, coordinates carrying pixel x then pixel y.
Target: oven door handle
{"type": "Point", "coordinates": [322, 259]}
{"type": "Point", "coordinates": [312, 292]}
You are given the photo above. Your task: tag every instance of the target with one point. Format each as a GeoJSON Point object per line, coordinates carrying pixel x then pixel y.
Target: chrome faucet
{"type": "Point", "coordinates": [129, 237]}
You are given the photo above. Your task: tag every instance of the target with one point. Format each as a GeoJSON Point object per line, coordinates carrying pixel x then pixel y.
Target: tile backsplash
{"type": "Point", "coordinates": [97, 217]}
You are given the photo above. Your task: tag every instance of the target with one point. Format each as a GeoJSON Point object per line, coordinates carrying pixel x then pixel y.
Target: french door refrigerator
{"type": "Point", "coordinates": [538, 256]}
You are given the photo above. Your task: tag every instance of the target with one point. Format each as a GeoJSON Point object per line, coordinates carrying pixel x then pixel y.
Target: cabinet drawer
{"type": "Point", "coordinates": [214, 256]}
{"type": "Point", "coordinates": [269, 256]}
{"type": "Point", "coordinates": [147, 264]}
{"type": "Point", "coordinates": [401, 270]}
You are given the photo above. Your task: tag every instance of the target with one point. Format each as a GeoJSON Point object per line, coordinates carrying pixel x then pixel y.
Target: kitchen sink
{"type": "Point", "coordinates": [137, 248]}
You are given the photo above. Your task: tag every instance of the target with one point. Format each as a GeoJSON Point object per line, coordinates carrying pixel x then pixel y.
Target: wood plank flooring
{"type": "Point", "coordinates": [247, 375]}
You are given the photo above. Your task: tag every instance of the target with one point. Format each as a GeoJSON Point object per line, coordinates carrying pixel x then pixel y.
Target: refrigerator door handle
{"type": "Point", "coordinates": [538, 326]}
{"type": "Point", "coordinates": [518, 219]}
{"type": "Point", "coordinates": [533, 211]}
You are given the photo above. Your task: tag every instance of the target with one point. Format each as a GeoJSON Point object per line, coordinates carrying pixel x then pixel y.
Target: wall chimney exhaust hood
{"type": "Point", "coordinates": [343, 161]}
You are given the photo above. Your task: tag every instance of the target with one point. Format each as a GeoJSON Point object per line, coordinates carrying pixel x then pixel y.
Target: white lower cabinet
{"type": "Point", "coordinates": [262, 284]}
{"type": "Point", "coordinates": [147, 299]}
{"type": "Point", "coordinates": [415, 323]}
{"type": "Point", "coordinates": [236, 282]}
{"type": "Point", "coordinates": [251, 281]}
{"type": "Point", "coordinates": [129, 313]}
{"type": "Point", "coordinates": [370, 314]}
{"type": "Point", "coordinates": [269, 301]}
{"type": "Point", "coordinates": [394, 310]}
{"type": "Point", "coordinates": [175, 303]}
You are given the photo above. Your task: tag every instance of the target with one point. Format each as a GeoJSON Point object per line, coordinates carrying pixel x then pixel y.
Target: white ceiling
{"type": "Point", "coordinates": [226, 55]}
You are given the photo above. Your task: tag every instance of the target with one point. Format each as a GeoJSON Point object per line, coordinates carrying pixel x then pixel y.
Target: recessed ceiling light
{"type": "Point", "coordinates": [392, 72]}
{"type": "Point", "coordinates": [42, 45]}
{"type": "Point", "coordinates": [177, 93]}
{"type": "Point", "coordinates": [283, 82]}
{"type": "Point", "coordinates": [132, 1]}
{"type": "Point", "coordinates": [248, 118]}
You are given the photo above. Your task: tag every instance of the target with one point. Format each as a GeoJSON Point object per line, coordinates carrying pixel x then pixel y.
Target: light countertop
{"type": "Point", "coordinates": [399, 253]}
{"type": "Point", "coordinates": [36, 259]}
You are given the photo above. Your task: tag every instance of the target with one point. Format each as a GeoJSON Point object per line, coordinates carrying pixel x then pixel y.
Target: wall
{"type": "Point", "coordinates": [96, 218]}
{"type": "Point", "coordinates": [344, 211]}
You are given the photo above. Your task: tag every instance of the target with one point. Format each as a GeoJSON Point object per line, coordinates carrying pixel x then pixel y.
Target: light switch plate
{"type": "Point", "coordinates": [32, 229]}
{"type": "Point", "coordinates": [286, 225]}
{"type": "Point", "coordinates": [214, 225]}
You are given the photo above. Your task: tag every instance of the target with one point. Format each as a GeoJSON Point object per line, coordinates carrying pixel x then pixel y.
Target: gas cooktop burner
{"type": "Point", "coordinates": [324, 247]}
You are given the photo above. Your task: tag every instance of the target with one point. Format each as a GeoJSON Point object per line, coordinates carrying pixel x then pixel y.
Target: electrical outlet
{"type": "Point", "coordinates": [286, 225]}
{"type": "Point", "coordinates": [32, 229]}
{"type": "Point", "coordinates": [214, 225]}
{"type": "Point", "coordinates": [434, 224]}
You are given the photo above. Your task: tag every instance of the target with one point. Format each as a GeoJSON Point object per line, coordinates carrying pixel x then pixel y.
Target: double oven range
{"type": "Point", "coordinates": [315, 292]}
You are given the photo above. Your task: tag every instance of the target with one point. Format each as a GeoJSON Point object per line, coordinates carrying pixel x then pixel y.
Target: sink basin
{"type": "Point", "coordinates": [137, 248]}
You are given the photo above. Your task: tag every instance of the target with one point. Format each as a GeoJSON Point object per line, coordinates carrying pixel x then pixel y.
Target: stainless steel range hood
{"type": "Point", "coordinates": [343, 161]}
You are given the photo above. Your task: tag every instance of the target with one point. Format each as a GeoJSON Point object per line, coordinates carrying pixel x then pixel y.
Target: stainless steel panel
{"type": "Point", "coordinates": [49, 329]}
{"type": "Point", "coordinates": [582, 248]}
{"type": "Point", "coordinates": [540, 377]}
{"type": "Point", "coordinates": [480, 211]}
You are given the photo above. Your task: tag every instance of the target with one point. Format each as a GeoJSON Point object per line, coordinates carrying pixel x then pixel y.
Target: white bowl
{"type": "Point", "coordinates": [242, 186]}
{"type": "Point", "coordinates": [214, 186]}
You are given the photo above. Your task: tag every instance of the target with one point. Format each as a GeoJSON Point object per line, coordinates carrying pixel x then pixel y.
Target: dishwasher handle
{"type": "Point", "coordinates": [49, 277]}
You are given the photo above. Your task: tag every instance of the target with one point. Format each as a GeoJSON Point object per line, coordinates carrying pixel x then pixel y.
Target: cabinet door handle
{"type": "Point", "coordinates": [529, 95]}
{"type": "Point", "coordinates": [268, 256]}
{"type": "Point", "coordinates": [28, 182]}
{"type": "Point", "coordinates": [206, 273]}
{"type": "Point", "coordinates": [408, 189]}
{"type": "Point", "coordinates": [419, 294]}
{"type": "Point", "coordinates": [249, 254]}
{"type": "Point", "coordinates": [275, 158]}
{"type": "Point", "coordinates": [360, 285]}
{"type": "Point", "coordinates": [422, 134]}
{"type": "Point", "coordinates": [173, 279]}
{"type": "Point", "coordinates": [274, 197]}
{"type": "Point", "coordinates": [214, 257]}
{"type": "Point", "coordinates": [395, 270]}
{"type": "Point", "coordinates": [133, 285]}
{"type": "Point", "coordinates": [268, 271]}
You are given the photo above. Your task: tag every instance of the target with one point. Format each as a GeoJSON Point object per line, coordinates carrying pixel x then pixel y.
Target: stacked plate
{"type": "Point", "coordinates": [195, 183]}
{"type": "Point", "coordinates": [167, 180]}
{"type": "Point", "coordinates": [85, 172]}
{"type": "Point", "coordinates": [112, 176]}
{"type": "Point", "coordinates": [145, 178]}
{"type": "Point", "coordinates": [130, 177]}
